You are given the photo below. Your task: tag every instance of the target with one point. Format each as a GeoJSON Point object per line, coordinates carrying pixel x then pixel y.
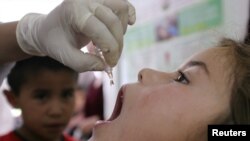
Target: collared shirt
{"type": "Point", "coordinates": [13, 136]}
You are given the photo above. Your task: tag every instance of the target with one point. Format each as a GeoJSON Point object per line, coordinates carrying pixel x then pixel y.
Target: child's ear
{"type": "Point", "coordinates": [11, 97]}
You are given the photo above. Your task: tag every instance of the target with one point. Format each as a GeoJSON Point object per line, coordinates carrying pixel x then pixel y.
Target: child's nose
{"type": "Point", "coordinates": [150, 76]}
{"type": "Point", "coordinates": [55, 109]}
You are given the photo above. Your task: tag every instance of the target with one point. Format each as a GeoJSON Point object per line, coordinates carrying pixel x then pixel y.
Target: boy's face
{"type": "Point", "coordinates": [47, 102]}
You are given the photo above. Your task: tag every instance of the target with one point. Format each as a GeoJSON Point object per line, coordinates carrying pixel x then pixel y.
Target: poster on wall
{"type": "Point", "coordinates": [200, 17]}
{"type": "Point", "coordinates": [162, 39]}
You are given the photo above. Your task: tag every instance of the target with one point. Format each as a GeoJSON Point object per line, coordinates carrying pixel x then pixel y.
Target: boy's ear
{"type": "Point", "coordinates": [11, 97]}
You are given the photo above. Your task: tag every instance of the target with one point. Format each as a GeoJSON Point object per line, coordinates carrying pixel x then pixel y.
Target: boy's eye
{"type": "Point", "coordinates": [182, 78]}
{"type": "Point", "coordinates": [41, 95]}
{"type": "Point", "coordinates": [68, 94]}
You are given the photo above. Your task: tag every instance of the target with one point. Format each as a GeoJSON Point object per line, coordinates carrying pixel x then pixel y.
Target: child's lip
{"type": "Point", "coordinates": [118, 104]}
{"type": "Point", "coordinates": [55, 125]}
{"type": "Point", "coordinates": [117, 109]}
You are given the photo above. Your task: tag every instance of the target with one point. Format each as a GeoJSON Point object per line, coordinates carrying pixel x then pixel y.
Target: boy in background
{"type": "Point", "coordinates": [44, 91]}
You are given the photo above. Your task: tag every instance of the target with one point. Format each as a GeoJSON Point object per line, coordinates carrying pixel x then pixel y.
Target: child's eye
{"type": "Point", "coordinates": [67, 94]}
{"type": "Point", "coordinates": [41, 96]}
{"type": "Point", "coordinates": [182, 78]}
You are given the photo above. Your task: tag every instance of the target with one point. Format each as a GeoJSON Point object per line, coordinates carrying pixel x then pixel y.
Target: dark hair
{"type": "Point", "coordinates": [25, 69]}
{"type": "Point", "coordinates": [240, 101]}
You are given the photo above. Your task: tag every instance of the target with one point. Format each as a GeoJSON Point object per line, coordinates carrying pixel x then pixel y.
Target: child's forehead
{"type": "Point", "coordinates": [39, 74]}
{"type": "Point", "coordinates": [216, 60]}
{"type": "Point", "coordinates": [212, 54]}
{"type": "Point", "coordinates": [48, 77]}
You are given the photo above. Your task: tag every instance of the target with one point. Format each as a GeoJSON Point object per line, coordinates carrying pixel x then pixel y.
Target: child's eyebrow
{"type": "Point", "coordinates": [41, 90]}
{"type": "Point", "coordinates": [199, 64]}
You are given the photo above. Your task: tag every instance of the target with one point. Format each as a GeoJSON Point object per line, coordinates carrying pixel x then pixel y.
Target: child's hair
{"type": "Point", "coordinates": [27, 69]}
{"type": "Point", "coordinates": [240, 101]}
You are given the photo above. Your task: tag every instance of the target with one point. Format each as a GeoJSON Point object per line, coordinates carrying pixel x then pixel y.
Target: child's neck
{"type": "Point", "coordinates": [25, 135]}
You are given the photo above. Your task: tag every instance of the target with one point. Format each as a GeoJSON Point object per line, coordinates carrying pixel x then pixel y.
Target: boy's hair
{"type": "Point", "coordinates": [27, 69]}
{"type": "Point", "coordinates": [240, 100]}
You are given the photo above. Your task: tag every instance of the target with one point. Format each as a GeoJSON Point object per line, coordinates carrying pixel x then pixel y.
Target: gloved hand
{"type": "Point", "coordinates": [72, 25]}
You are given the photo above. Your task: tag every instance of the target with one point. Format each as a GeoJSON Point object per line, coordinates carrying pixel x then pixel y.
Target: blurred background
{"type": "Point", "coordinates": [166, 33]}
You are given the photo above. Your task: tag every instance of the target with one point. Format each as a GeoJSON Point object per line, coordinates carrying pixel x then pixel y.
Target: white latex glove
{"type": "Point", "coordinates": [72, 25]}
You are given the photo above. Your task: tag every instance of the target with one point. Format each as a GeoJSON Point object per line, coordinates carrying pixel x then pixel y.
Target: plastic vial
{"type": "Point", "coordinates": [108, 69]}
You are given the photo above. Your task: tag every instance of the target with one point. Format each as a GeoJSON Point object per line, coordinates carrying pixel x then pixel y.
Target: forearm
{"type": "Point", "coordinates": [9, 48]}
